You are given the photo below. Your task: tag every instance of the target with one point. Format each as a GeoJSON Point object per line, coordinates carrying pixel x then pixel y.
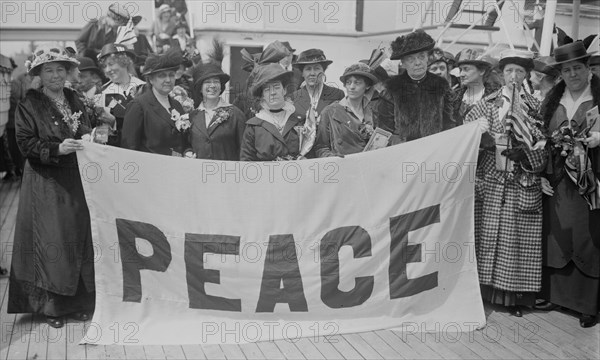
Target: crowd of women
{"type": "Point", "coordinates": [533, 250]}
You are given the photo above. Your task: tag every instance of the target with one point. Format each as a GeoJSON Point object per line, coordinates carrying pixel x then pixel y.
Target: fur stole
{"type": "Point", "coordinates": [418, 105]}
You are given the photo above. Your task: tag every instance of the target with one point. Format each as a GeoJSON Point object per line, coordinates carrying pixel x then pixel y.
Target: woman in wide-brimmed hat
{"type": "Point", "coordinates": [508, 206]}
{"type": "Point", "coordinates": [117, 62]}
{"type": "Point", "coordinates": [53, 214]}
{"type": "Point", "coordinates": [347, 125]}
{"type": "Point", "coordinates": [571, 273]}
{"type": "Point", "coordinates": [274, 53]}
{"type": "Point", "coordinates": [217, 126]}
{"type": "Point", "coordinates": [313, 93]}
{"type": "Point", "coordinates": [153, 120]}
{"type": "Point", "coordinates": [475, 72]}
{"type": "Point", "coordinates": [271, 134]}
{"type": "Point", "coordinates": [416, 103]}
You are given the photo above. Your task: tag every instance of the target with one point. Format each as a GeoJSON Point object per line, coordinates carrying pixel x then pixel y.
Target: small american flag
{"type": "Point", "coordinates": [519, 123]}
{"type": "Point", "coordinates": [126, 35]}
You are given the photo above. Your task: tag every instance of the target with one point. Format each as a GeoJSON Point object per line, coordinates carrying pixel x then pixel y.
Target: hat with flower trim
{"type": "Point", "coordinates": [47, 54]}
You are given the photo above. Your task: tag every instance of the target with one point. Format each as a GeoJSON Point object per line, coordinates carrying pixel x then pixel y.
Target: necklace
{"type": "Point", "coordinates": [60, 102]}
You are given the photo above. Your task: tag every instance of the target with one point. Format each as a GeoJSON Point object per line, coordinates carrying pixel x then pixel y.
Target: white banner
{"type": "Point", "coordinates": [192, 251]}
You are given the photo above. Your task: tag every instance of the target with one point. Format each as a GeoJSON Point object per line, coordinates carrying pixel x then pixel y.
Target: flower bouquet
{"type": "Point", "coordinates": [178, 93]}
{"type": "Point", "coordinates": [73, 121]}
{"type": "Point", "coordinates": [182, 124]}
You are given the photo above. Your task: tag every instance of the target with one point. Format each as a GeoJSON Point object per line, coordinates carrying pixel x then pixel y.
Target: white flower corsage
{"type": "Point", "coordinates": [182, 122]}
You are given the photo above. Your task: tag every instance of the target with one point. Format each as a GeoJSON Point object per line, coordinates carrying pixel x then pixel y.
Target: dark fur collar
{"type": "Point", "coordinates": [430, 82]}
{"type": "Point", "coordinates": [552, 100]}
{"type": "Point", "coordinates": [37, 95]}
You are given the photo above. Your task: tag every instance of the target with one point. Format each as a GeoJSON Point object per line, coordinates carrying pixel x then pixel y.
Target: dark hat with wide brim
{"type": "Point", "coordinates": [112, 48]}
{"type": "Point", "coordinates": [569, 52]}
{"type": "Point", "coordinates": [203, 72]}
{"type": "Point", "coordinates": [412, 43]}
{"type": "Point", "coordinates": [87, 64]}
{"type": "Point", "coordinates": [518, 57]}
{"type": "Point", "coordinates": [595, 60]}
{"type": "Point", "coordinates": [262, 74]}
{"type": "Point", "coordinates": [359, 69]}
{"type": "Point", "coordinates": [171, 60]}
{"type": "Point", "coordinates": [545, 65]}
{"type": "Point", "coordinates": [312, 56]}
{"type": "Point", "coordinates": [288, 46]}
{"type": "Point", "coordinates": [273, 53]}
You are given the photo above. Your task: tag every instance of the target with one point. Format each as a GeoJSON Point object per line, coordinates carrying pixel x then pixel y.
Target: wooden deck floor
{"type": "Point", "coordinates": [537, 335]}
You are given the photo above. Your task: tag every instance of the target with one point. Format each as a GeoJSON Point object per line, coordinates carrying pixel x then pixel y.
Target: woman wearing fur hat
{"type": "Point", "coordinates": [571, 273]}
{"type": "Point", "coordinates": [53, 213]}
{"type": "Point", "coordinates": [313, 93]}
{"type": "Point", "coordinates": [508, 197]}
{"type": "Point", "coordinates": [347, 125]}
{"type": "Point", "coordinates": [272, 134]}
{"type": "Point", "coordinates": [217, 126]}
{"type": "Point", "coordinates": [153, 121]}
{"type": "Point", "coordinates": [417, 103]}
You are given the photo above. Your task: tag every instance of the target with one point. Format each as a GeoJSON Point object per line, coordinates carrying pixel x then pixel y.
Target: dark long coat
{"type": "Point", "coordinates": [263, 142]}
{"type": "Point", "coordinates": [572, 230]}
{"type": "Point", "coordinates": [148, 126]}
{"type": "Point", "coordinates": [52, 243]}
{"type": "Point", "coordinates": [221, 141]}
{"type": "Point", "coordinates": [412, 109]}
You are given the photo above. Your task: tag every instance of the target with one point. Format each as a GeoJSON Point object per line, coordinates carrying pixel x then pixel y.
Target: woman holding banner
{"type": "Point", "coordinates": [53, 263]}
{"type": "Point", "coordinates": [217, 127]}
{"type": "Point", "coordinates": [273, 133]}
{"type": "Point", "coordinates": [508, 196]}
{"type": "Point", "coordinates": [571, 272]}
{"type": "Point", "coordinates": [347, 125]}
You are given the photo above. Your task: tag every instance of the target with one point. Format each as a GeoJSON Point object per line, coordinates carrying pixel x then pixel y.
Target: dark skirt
{"type": "Point", "coordinates": [571, 288]}
{"type": "Point", "coordinates": [507, 298]}
{"type": "Point", "coordinates": [27, 298]}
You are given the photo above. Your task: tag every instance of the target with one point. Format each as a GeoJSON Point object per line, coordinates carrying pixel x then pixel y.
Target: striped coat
{"type": "Point", "coordinates": [508, 211]}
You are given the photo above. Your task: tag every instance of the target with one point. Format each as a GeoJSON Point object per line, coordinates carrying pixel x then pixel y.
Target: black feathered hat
{"type": "Point", "coordinates": [171, 60]}
{"type": "Point", "coordinates": [412, 43]}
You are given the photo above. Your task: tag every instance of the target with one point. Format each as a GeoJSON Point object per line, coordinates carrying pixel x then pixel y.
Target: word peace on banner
{"type": "Point", "coordinates": [191, 251]}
